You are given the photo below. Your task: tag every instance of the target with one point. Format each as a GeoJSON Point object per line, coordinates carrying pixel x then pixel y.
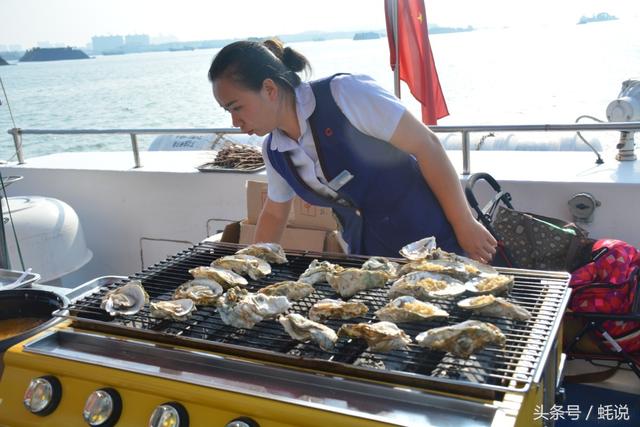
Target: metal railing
{"type": "Point", "coordinates": [626, 128]}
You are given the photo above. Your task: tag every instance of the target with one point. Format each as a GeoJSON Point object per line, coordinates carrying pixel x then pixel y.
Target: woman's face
{"type": "Point", "coordinates": [253, 112]}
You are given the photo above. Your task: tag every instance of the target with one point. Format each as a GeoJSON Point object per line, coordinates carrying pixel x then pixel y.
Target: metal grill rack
{"type": "Point", "coordinates": [512, 368]}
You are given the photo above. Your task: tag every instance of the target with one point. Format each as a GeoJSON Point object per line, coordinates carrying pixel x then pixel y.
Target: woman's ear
{"type": "Point", "coordinates": [271, 89]}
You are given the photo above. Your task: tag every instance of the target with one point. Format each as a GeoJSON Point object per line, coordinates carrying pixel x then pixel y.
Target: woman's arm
{"type": "Point", "coordinates": [272, 221]}
{"type": "Point", "coordinates": [415, 138]}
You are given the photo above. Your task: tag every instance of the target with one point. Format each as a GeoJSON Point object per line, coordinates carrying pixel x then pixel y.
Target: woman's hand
{"type": "Point", "coordinates": [476, 240]}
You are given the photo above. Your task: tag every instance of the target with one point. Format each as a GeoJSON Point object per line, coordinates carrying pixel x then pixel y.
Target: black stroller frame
{"type": "Point", "coordinates": [592, 321]}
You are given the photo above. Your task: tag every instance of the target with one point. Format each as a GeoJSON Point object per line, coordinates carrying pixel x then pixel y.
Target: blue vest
{"type": "Point", "coordinates": [387, 204]}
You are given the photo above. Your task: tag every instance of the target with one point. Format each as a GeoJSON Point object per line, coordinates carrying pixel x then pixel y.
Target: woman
{"type": "Point", "coordinates": [346, 143]}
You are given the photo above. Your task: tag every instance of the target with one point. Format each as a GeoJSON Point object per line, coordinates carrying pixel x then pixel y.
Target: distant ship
{"type": "Point", "coordinates": [369, 35]}
{"type": "Point", "coordinates": [52, 54]}
{"type": "Point", "coordinates": [178, 49]}
{"type": "Point", "coordinates": [597, 18]}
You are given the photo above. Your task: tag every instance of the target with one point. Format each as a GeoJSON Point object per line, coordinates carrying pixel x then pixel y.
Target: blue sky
{"type": "Point", "coordinates": [73, 22]}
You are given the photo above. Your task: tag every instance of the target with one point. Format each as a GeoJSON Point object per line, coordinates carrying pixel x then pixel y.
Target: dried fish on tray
{"type": "Point", "coordinates": [235, 158]}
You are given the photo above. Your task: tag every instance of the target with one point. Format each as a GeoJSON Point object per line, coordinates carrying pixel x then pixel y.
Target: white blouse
{"type": "Point", "coordinates": [370, 108]}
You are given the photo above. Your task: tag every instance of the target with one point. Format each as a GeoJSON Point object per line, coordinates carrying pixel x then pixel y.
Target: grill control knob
{"type": "Point", "coordinates": [242, 422]}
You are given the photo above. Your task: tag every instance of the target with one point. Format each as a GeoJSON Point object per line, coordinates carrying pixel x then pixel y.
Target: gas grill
{"type": "Point", "coordinates": [403, 387]}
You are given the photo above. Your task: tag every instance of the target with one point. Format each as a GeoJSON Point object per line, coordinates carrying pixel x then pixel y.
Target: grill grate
{"type": "Point", "coordinates": [511, 368]}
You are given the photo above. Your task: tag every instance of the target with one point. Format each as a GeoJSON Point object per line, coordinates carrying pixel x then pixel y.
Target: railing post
{"type": "Point", "coordinates": [466, 160]}
{"type": "Point", "coordinates": [17, 141]}
{"type": "Point", "coordinates": [136, 152]}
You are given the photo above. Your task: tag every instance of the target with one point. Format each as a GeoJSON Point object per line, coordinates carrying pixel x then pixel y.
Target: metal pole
{"type": "Point", "coordinates": [17, 141]}
{"type": "Point", "coordinates": [396, 65]}
{"type": "Point", "coordinates": [136, 152]}
{"type": "Point", "coordinates": [466, 157]}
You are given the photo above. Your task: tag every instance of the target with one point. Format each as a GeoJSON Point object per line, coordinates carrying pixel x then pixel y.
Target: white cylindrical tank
{"type": "Point", "coordinates": [49, 234]}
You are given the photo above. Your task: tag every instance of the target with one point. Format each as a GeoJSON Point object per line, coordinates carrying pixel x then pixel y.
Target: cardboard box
{"type": "Point", "coordinates": [302, 215]}
{"type": "Point", "coordinates": [292, 238]}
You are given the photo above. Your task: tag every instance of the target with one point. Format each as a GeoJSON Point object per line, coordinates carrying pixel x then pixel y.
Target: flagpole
{"type": "Point", "coordinates": [396, 66]}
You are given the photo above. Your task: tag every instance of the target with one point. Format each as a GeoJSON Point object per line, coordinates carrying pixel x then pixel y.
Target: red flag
{"type": "Point", "coordinates": [417, 67]}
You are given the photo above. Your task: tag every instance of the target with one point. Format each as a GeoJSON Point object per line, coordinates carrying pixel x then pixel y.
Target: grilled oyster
{"type": "Point", "coordinates": [125, 300]}
{"type": "Point", "coordinates": [489, 305]}
{"type": "Point", "coordinates": [379, 263]}
{"type": "Point", "coordinates": [242, 309]}
{"type": "Point", "coordinates": [420, 249]}
{"type": "Point", "coordinates": [462, 339]}
{"type": "Point", "coordinates": [179, 309]}
{"type": "Point", "coordinates": [495, 284]}
{"type": "Point", "coordinates": [409, 309]}
{"type": "Point", "coordinates": [455, 269]}
{"type": "Point", "coordinates": [336, 309]}
{"type": "Point", "coordinates": [226, 278]}
{"type": "Point", "coordinates": [201, 291]}
{"type": "Point", "coordinates": [349, 281]}
{"type": "Point", "coordinates": [290, 289]}
{"type": "Point", "coordinates": [255, 267]}
{"type": "Point", "coordinates": [270, 252]}
{"type": "Point", "coordinates": [381, 336]}
{"type": "Point", "coordinates": [303, 329]}
{"type": "Point", "coordinates": [317, 271]}
{"type": "Point", "coordinates": [425, 285]}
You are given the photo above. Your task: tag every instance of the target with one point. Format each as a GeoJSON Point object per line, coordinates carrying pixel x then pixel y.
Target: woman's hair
{"type": "Point", "coordinates": [249, 63]}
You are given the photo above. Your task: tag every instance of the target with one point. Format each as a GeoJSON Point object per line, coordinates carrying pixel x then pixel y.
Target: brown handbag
{"type": "Point", "coordinates": [541, 243]}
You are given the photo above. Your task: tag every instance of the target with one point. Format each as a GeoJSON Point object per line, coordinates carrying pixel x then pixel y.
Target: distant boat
{"type": "Point", "coordinates": [369, 35]}
{"type": "Point", "coordinates": [52, 54]}
{"type": "Point", "coordinates": [604, 16]}
{"type": "Point", "coordinates": [113, 52]}
{"type": "Point", "coordinates": [178, 49]}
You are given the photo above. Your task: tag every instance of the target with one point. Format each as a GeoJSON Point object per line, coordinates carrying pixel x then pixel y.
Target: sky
{"type": "Point", "coordinates": [73, 22]}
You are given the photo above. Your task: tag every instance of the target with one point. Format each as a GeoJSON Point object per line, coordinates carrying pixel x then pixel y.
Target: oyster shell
{"type": "Point", "coordinates": [495, 284]}
{"type": "Point", "coordinates": [290, 289]}
{"type": "Point", "coordinates": [379, 263]}
{"type": "Point", "coordinates": [317, 271]}
{"type": "Point", "coordinates": [489, 305]}
{"type": "Point", "coordinates": [179, 309]}
{"type": "Point", "coordinates": [462, 339]}
{"type": "Point", "coordinates": [453, 268]}
{"type": "Point", "coordinates": [125, 300]}
{"type": "Point", "coordinates": [303, 329]}
{"type": "Point", "coordinates": [255, 267]}
{"type": "Point", "coordinates": [336, 309]}
{"type": "Point", "coordinates": [425, 285]}
{"type": "Point", "coordinates": [270, 252]}
{"type": "Point", "coordinates": [349, 281]}
{"type": "Point", "coordinates": [201, 291]}
{"type": "Point", "coordinates": [242, 309]}
{"type": "Point", "coordinates": [408, 309]}
{"type": "Point", "coordinates": [381, 336]}
{"type": "Point", "coordinates": [420, 249]}
{"type": "Point", "coordinates": [226, 278]}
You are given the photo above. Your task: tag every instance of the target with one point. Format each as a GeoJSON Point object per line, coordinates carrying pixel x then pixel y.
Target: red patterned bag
{"type": "Point", "coordinates": [609, 285]}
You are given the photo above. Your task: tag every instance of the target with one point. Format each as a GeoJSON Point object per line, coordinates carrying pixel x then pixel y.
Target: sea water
{"type": "Point", "coordinates": [498, 76]}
